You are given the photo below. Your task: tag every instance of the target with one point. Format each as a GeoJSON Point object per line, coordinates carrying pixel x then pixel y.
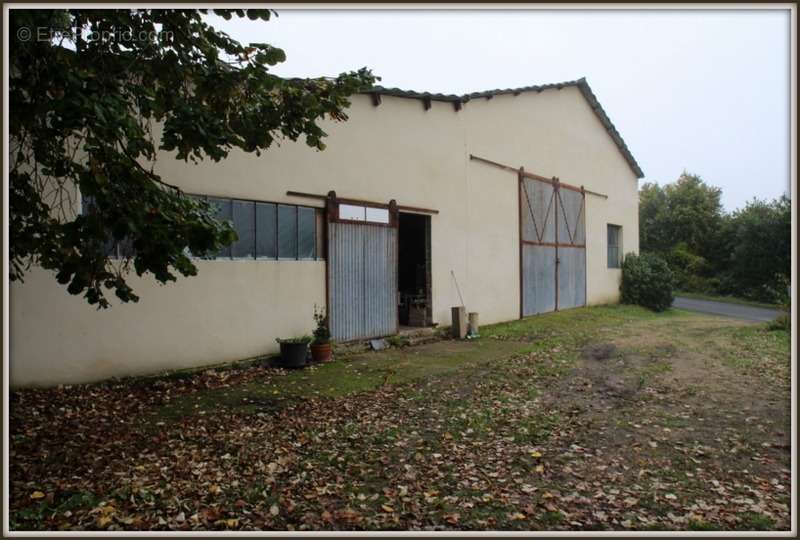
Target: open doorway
{"type": "Point", "coordinates": [414, 270]}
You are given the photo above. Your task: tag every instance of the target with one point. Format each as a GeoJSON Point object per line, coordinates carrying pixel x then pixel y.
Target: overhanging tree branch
{"type": "Point", "coordinates": [109, 90]}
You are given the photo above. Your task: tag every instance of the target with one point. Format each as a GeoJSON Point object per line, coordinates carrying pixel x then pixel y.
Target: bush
{"type": "Point", "coordinates": [774, 291]}
{"type": "Point", "coordinates": [687, 268]}
{"type": "Point", "coordinates": [783, 322]}
{"type": "Point", "coordinates": [646, 281]}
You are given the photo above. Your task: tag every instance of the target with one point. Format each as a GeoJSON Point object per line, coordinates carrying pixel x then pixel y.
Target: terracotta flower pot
{"type": "Point", "coordinates": [321, 352]}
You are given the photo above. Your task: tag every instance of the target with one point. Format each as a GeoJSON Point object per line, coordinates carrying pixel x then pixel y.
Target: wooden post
{"type": "Point", "coordinates": [520, 180]}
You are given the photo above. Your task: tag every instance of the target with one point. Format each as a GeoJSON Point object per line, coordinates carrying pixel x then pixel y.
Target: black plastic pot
{"type": "Point", "coordinates": [294, 355]}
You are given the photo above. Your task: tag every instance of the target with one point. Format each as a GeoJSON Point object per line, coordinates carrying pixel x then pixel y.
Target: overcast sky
{"type": "Point", "coordinates": [704, 91]}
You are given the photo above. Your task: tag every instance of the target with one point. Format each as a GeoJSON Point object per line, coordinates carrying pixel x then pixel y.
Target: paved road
{"type": "Point", "coordinates": [736, 311]}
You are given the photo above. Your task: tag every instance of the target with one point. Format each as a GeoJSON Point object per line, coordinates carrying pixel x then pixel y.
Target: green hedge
{"type": "Point", "coordinates": [647, 281]}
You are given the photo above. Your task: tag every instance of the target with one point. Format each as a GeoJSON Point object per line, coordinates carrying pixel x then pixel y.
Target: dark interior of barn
{"type": "Point", "coordinates": [413, 272]}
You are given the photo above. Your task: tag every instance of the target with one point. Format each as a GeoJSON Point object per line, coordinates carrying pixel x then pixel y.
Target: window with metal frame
{"type": "Point", "coordinates": [614, 246]}
{"type": "Point", "coordinates": [306, 233]}
{"type": "Point", "coordinates": [244, 221]}
{"type": "Point", "coordinates": [351, 212]}
{"type": "Point", "coordinates": [266, 231]}
{"type": "Point", "coordinates": [271, 231]}
{"type": "Point", "coordinates": [287, 231]}
{"type": "Point", "coordinates": [223, 213]}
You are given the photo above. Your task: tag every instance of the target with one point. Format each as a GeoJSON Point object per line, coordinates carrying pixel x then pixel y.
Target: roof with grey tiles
{"type": "Point", "coordinates": [581, 84]}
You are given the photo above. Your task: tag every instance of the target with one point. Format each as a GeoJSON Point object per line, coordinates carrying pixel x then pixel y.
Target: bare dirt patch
{"type": "Point", "coordinates": [694, 435]}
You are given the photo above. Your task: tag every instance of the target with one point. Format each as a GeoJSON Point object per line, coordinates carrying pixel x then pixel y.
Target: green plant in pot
{"type": "Point", "coordinates": [294, 351]}
{"type": "Point", "coordinates": [321, 345]}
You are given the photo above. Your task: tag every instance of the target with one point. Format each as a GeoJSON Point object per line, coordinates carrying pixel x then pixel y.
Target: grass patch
{"type": "Point", "coordinates": [697, 525]}
{"type": "Point", "coordinates": [758, 347]}
{"type": "Point", "coordinates": [39, 512]}
{"type": "Point", "coordinates": [358, 373]}
{"type": "Point", "coordinates": [573, 326]}
{"type": "Point", "coordinates": [398, 341]}
{"type": "Point", "coordinates": [551, 519]}
{"type": "Point", "coordinates": [558, 335]}
{"type": "Point", "coordinates": [751, 521]}
{"type": "Point", "coordinates": [648, 373]}
{"type": "Point", "coordinates": [536, 429]}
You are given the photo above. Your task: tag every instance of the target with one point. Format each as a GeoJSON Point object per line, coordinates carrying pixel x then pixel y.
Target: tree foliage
{"type": "Point", "coordinates": [687, 211]}
{"type": "Point", "coordinates": [745, 253]}
{"type": "Point", "coordinates": [759, 243]}
{"type": "Point", "coordinates": [97, 95]}
{"type": "Point", "coordinates": [653, 216]}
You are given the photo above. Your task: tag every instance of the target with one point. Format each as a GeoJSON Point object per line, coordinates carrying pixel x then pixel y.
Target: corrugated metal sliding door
{"type": "Point", "coordinates": [571, 239]}
{"type": "Point", "coordinates": [362, 270]}
{"type": "Point", "coordinates": [552, 246]}
{"type": "Point", "coordinates": [538, 247]}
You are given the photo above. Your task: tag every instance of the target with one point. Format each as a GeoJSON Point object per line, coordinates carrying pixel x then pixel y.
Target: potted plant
{"type": "Point", "coordinates": [321, 345]}
{"type": "Point", "coordinates": [294, 351]}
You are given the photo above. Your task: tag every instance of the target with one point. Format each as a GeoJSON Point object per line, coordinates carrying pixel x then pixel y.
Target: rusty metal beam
{"type": "Point", "coordinates": [556, 186]}
{"type": "Point", "coordinates": [553, 244]}
{"type": "Point", "coordinates": [526, 174]}
{"type": "Point", "coordinates": [520, 180]}
{"type": "Point", "coordinates": [362, 202]}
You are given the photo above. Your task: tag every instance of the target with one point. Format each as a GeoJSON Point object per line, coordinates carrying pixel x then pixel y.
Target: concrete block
{"type": "Point", "coordinates": [459, 326]}
{"type": "Point", "coordinates": [473, 323]}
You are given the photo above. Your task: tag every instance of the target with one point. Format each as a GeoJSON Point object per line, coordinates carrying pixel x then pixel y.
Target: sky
{"type": "Point", "coordinates": [706, 91]}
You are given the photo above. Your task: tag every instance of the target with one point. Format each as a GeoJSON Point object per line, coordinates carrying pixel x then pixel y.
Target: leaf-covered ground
{"type": "Point", "coordinates": [596, 418]}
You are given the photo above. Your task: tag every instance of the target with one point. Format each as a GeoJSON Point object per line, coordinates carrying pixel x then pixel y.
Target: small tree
{"type": "Point", "coordinates": [646, 281]}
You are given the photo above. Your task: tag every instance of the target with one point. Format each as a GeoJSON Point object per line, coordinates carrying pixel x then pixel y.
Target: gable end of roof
{"type": "Point", "coordinates": [581, 84]}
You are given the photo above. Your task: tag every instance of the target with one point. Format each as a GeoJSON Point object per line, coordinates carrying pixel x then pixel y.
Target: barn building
{"type": "Point", "coordinates": [510, 202]}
